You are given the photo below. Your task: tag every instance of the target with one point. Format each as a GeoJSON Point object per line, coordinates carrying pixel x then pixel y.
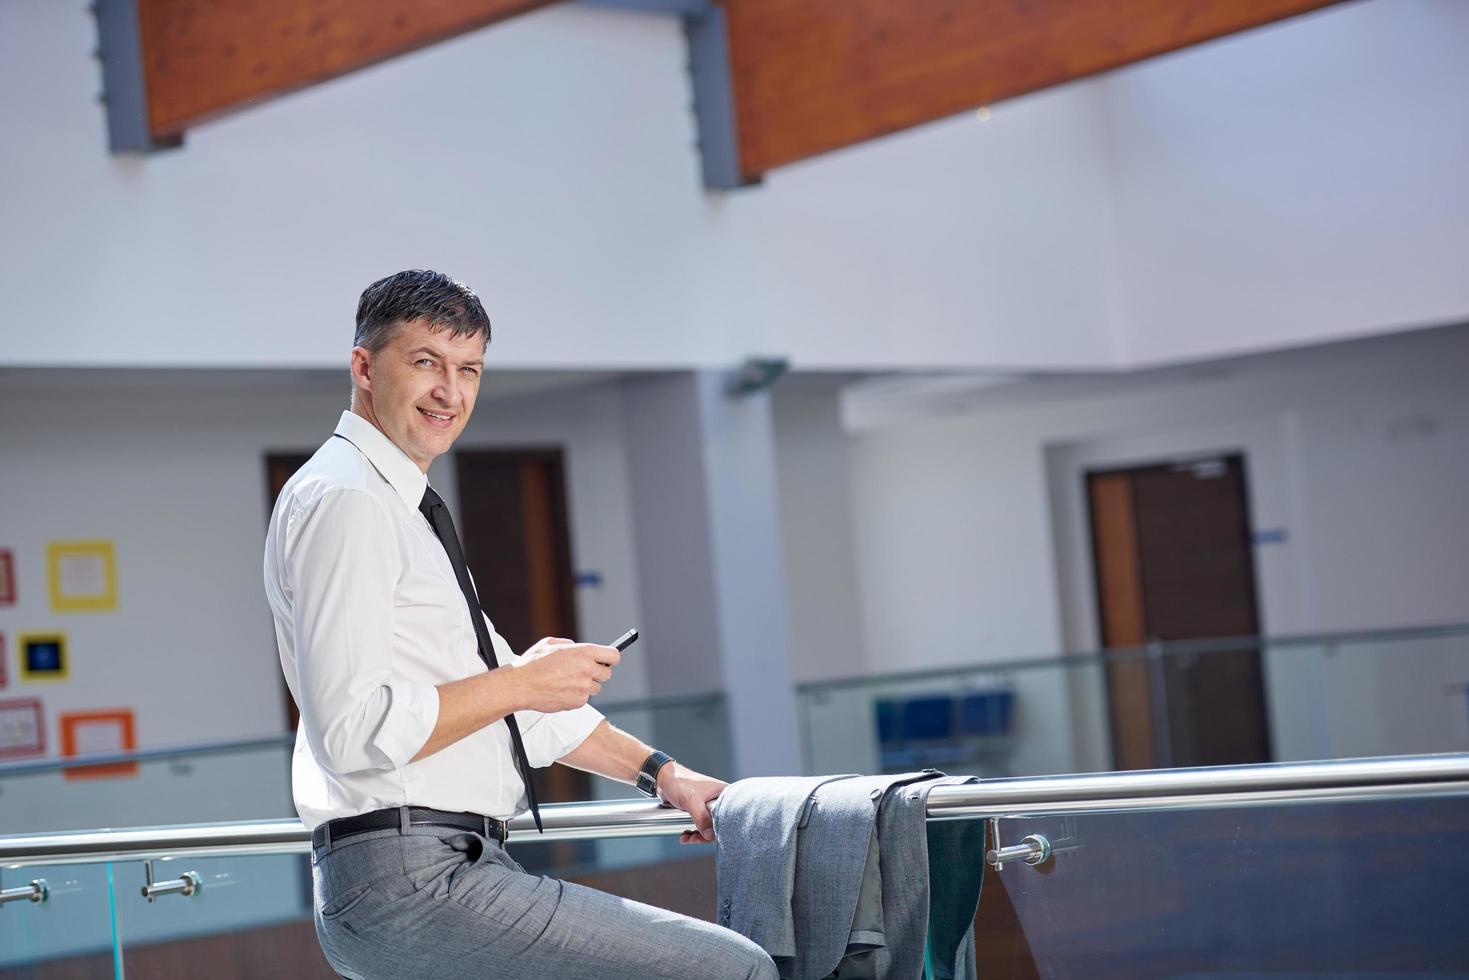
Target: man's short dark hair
{"type": "Point", "coordinates": [418, 294]}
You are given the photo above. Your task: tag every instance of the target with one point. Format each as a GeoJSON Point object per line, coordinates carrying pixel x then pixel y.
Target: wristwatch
{"type": "Point", "coordinates": [648, 775]}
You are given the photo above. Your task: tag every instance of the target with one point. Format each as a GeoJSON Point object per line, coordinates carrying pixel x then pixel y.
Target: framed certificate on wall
{"type": "Point", "coordinates": [22, 728]}
{"type": "Point", "coordinates": [7, 577]}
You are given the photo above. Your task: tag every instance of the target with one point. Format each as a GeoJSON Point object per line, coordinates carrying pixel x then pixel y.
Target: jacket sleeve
{"type": "Point", "coordinates": [342, 568]}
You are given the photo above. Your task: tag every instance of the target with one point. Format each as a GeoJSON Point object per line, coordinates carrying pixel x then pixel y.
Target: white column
{"type": "Point", "coordinates": [707, 530]}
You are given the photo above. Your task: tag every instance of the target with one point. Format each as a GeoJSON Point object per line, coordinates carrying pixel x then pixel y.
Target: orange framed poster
{"type": "Point", "coordinates": [97, 732]}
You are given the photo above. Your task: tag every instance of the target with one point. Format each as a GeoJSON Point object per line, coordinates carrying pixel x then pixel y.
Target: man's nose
{"type": "Point", "coordinates": [447, 390]}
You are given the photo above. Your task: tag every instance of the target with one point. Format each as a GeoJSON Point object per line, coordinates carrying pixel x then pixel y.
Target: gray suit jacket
{"type": "Point", "coordinates": [829, 871]}
{"type": "Point", "coordinates": [843, 832]}
{"type": "Point", "coordinates": [755, 824]}
{"type": "Point", "coordinates": [931, 875]}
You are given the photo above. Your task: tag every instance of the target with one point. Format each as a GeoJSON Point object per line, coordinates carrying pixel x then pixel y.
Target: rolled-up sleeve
{"type": "Point", "coordinates": [547, 736]}
{"type": "Point", "coordinates": [342, 568]}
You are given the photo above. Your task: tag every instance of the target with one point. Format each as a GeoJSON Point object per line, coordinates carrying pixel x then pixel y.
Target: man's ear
{"type": "Point", "coordinates": [362, 368]}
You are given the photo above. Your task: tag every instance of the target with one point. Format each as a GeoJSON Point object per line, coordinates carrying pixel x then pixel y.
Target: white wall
{"type": "Point", "coordinates": [960, 243]}
{"type": "Point", "coordinates": [550, 162]}
{"type": "Point", "coordinates": [952, 544]}
{"type": "Point", "coordinates": [1358, 454]}
{"type": "Point", "coordinates": [815, 489]}
{"type": "Point", "coordinates": [171, 469]}
{"type": "Point", "coordinates": [1294, 184]}
{"type": "Point", "coordinates": [177, 482]}
{"type": "Point", "coordinates": [1289, 184]}
{"type": "Point", "coordinates": [939, 542]}
{"type": "Point", "coordinates": [169, 465]}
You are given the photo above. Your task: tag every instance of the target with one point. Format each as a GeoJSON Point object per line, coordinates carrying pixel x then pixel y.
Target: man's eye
{"type": "Point", "coordinates": [424, 361]}
{"type": "Point", "coordinates": [471, 371]}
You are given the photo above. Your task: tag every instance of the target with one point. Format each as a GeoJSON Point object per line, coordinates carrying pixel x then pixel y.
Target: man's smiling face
{"type": "Point", "coordinates": [419, 389]}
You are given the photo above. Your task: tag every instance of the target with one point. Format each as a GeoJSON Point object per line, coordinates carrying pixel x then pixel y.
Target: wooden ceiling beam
{"type": "Point", "coordinates": [201, 59]}
{"type": "Point", "coordinates": [810, 76]}
{"type": "Point", "coordinates": [775, 81]}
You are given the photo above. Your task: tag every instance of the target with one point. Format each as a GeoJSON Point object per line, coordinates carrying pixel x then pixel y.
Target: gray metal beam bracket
{"type": "Point", "coordinates": [714, 97]}
{"type": "Point", "coordinates": [124, 91]}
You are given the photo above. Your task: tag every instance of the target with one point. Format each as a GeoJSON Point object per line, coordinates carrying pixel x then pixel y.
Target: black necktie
{"type": "Point", "coordinates": [433, 508]}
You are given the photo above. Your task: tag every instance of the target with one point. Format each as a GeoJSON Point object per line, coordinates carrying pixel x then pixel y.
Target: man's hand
{"type": "Point", "coordinates": [559, 675]}
{"type": "Point", "coordinates": [692, 793]}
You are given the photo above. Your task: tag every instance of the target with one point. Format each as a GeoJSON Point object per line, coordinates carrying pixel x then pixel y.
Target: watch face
{"type": "Point", "coordinates": [647, 781]}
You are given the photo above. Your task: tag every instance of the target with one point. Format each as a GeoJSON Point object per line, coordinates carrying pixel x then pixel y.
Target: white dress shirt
{"type": "Point", "coordinates": [369, 619]}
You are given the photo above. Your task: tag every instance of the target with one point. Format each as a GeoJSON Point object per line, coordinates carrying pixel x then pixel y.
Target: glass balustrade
{"type": "Point", "coordinates": [1351, 869]}
{"type": "Point", "coordinates": [991, 721]}
{"type": "Point", "coordinates": [249, 915]}
{"type": "Point", "coordinates": [252, 779]}
{"type": "Point", "coordinates": [245, 916]}
{"type": "Point", "coordinates": [694, 728]}
{"type": "Point", "coordinates": [1366, 889]}
{"type": "Point", "coordinates": [1323, 697]}
{"type": "Point", "coordinates": [239, 781]}
{"type": "Point", "coordinates": [1326, 883]}
{"type": "Point", "coordinates": [1392, 693]}
{"type": "Point", "coordinates": [254, 911]}
{"type": "Point", "coordinates": [72, 925]}
{"type": "Point", "coordinates": [217, 916]}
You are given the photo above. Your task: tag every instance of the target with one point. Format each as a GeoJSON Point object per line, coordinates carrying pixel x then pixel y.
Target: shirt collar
{"type": "Point", "coordinates": [402, 473]}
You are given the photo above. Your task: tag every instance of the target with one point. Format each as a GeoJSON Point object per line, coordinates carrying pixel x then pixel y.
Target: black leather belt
{"type": "Point", "coordinates": [418, 816]}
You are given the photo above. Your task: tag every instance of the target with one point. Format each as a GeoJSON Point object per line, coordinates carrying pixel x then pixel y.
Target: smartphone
{"type": "Point", "coordinates": [625, 640]}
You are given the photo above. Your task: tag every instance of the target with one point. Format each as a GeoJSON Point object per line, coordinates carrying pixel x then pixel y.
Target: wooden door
{"type": "Point", "coordinates": [517, 543]}
{"type": "Point", "coordinates": [1174, 561]}
{"type": "Point", "coordinates": [279, 468]}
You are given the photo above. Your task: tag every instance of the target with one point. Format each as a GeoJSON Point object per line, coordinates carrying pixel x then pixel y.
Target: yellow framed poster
{"type": "Point", "coordinates": [83, 576]}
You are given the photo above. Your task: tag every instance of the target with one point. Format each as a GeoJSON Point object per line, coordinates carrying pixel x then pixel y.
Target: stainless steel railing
{"type": "Point", "coordinates": [1331, 781]}
{"type": "Point", "coordinates": [1254, 785]}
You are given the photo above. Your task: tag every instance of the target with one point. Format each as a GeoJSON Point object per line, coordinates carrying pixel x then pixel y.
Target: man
{"type": "Point", "coordinates": [417, 720]}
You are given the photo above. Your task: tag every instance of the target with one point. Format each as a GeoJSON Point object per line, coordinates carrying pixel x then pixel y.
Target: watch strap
{"type": "Point", "coordinates": [647, 781]}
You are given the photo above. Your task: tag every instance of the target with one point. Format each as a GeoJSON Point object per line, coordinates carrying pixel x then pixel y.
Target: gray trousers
{"type": "Point", "coordinates": [428, 902]}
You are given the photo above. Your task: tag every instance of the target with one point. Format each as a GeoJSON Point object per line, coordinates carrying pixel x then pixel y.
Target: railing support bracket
{"type": "Point", "coordinates": [36, 892]}
{"type": "Point", "coordinates": [187, 884]}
